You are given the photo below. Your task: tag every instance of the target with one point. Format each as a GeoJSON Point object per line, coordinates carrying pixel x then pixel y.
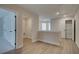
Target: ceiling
{"type": "Point", "coordinates": [52, 10]}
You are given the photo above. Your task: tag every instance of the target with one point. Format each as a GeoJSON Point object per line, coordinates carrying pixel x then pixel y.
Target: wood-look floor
{"type": "Point", "coordinates": [67, 47]}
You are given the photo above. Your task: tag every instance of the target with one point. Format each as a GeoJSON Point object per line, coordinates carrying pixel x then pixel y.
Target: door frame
{"type": "Point", "coordinates": [66, 29]}
{"type": "Point", "coordinates": [73, 29]}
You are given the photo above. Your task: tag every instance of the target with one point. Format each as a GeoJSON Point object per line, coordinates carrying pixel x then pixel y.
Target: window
{"type": "Point", "coordinates": [45, 25]}
{"type": "Point", "coordinates": [49, 26]}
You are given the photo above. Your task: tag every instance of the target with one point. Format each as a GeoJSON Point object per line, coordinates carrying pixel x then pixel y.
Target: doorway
{"type": "Point", "coordinates": [70, 29]}
{"type": "Point", "coordinates": [8, 26]}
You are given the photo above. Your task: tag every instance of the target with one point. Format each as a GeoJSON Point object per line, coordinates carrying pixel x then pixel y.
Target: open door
{"type": "Point", "coordinates": [69, 29]}
{"type": "Point", "coordinates": [9, 31]}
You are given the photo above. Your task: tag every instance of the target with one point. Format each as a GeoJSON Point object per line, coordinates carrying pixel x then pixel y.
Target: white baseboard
{"type": "Point", "coordinates": [54, 43]}
{"type": "Point", "coordinates": [34, 40]}
{"type": "Point", "coordinates": [20, 46]}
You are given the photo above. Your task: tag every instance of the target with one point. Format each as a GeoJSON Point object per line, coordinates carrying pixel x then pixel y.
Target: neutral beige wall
{"type": "Point", "coordinates": [20, 12]}
{"type": "Point", "coordinates": [27, 27]}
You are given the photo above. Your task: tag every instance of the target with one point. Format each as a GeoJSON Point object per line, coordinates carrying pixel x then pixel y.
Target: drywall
{"type": "Point", "coordinates": [58, 25]}
{"type": "Point", "coordinates": [35, 27]}
{"type": "Point", "coordinates": [49, 37]}
{"type": "Point", "coordinates": [61, 27]}
{"type": "Point", "coordinates": [30, 27]}
{"type": "Point", "coordinates": [55, 25]}
{"type": "Point", "coordinates": [77, 28]}
{"type": "Point", "coordinates": [24, 27]}
{"type": "Point", "coordinates": [27, 27]}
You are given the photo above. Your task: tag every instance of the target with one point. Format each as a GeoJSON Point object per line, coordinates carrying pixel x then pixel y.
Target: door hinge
{"type": "Point", "coordinates": [15, 16]}
{"type": "Point", "coordinates": [15, 29]}
{"type": "Point", "coordinates": [15, 43]}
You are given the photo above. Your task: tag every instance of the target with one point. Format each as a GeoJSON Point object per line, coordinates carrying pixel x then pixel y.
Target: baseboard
{"type": "Point", "coordinates": [18, 47]}
{"type": "Point", "coordinates": [58, 44]}
{"type": "Point", "coordinates": [31, 39]}
{"type": "Point", "coordinates": [66, 38]}
{"type": "Point", "coordinates": [28, 38]}
{"type": "Point", "coordinates": [34, 40]}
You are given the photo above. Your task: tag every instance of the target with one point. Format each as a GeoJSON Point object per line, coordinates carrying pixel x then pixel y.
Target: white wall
{"type": "Point", "coordinates": [30, 27]}
{"type": "Point", "coordinates": [77, 28]}
{"type": "Point", "coordinates": [35, 27]}
{"type": "Point", "coordinates": [58, 25]}
{"type": "Point", "coordinates": [55, 25]}
{"type": "Point", "coordinates": [27, 27]}
{"type": "Point", "coordinates": [49, 37]}
{"type": "Point", "coordinates": [52, 36]}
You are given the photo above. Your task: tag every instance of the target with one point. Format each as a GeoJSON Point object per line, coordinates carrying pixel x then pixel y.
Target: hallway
{"type": "Point", "coordinates": [67, 47]}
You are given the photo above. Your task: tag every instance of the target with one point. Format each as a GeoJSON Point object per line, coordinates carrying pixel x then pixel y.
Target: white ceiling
{"type": "Point", "coordinates": [50, 10]}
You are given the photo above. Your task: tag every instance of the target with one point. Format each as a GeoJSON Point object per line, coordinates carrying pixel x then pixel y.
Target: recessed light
{"type": "Point", "coordinates": [57, 13]}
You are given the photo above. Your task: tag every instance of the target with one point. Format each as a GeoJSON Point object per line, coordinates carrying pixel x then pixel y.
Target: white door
{"type": "Point", "coordinates": [9, 29]}
{"type": "Point", "coordinates": [12, 29]}
{"type": "Point", "coordinates": [69, 29]}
